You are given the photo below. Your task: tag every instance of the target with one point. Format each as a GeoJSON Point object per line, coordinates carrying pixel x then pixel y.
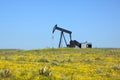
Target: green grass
{"type": "Point", "coordinates": [62, 63]}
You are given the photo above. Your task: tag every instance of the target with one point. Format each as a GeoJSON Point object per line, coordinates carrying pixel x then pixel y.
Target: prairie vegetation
{"type": "Point", "coordinates": [60, 64]}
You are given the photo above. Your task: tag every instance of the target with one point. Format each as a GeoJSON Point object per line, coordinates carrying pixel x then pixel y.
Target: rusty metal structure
{"type": "Point", "coordinates": [72, 43]}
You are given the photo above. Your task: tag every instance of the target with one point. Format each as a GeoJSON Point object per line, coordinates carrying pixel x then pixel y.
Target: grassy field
{"type": "Point", "coordinates": [60, 64]}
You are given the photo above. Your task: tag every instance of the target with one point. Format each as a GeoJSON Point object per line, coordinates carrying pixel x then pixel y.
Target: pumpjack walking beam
{"type": "Point", "coordinates": [62, 34]}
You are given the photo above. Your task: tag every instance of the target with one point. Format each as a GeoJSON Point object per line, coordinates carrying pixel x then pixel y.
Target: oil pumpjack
{"type": "Point", "coordinates": [72, 43]}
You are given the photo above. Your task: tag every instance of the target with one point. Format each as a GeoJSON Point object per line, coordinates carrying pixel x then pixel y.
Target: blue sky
{"type": "Point", "coordinates": [28, 24]}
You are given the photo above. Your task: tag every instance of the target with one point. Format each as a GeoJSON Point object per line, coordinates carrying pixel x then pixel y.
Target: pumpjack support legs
{"type": "Point", "coordinates": [60, 39]}
{"type": "Point", "coordinates": [62, 35]}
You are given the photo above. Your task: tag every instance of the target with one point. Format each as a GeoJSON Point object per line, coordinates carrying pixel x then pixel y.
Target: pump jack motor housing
{"type": "Point", "coordinates": [72, 43]}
